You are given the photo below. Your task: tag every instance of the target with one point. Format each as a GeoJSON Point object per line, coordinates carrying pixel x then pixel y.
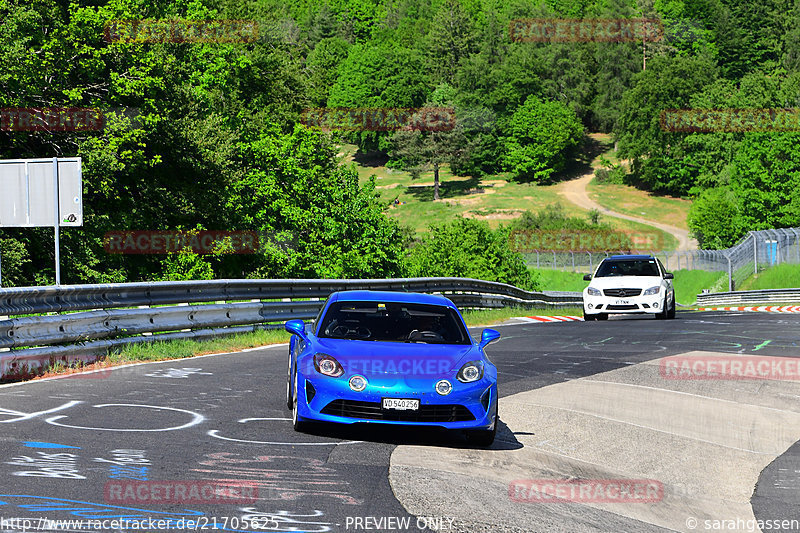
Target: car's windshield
{"type": "Point", "coordinates": [628, 267]}
{"type": "Point", "coordinates": [395, 322]}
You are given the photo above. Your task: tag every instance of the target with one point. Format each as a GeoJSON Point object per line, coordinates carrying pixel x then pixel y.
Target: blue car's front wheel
{"type": "Point", "coordinates": [297, 422]}
{"type": "Point", "coordinates": [483, 437]}
{"type": "Point", "coordinates": [289, 395]}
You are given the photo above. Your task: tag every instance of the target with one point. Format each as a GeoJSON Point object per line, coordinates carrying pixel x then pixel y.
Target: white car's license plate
{"type": "Point", "coordinates": [622, 302]}
{"type": "Point", "coordinates": [401, 404]}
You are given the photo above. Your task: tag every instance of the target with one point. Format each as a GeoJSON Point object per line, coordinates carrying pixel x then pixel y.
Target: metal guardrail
{"type": "Point", "coordinates": [749, 297]}
{"type": "Point", "coordinates": [102, 317]}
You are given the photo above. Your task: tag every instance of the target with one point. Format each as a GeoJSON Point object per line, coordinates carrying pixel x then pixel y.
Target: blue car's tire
{"type": "Point", "coordinates": [483, 437]}
{"type": "Point", "coordinates": [297, 423]}
{"type": "Point", "coordinates": [289, 394]}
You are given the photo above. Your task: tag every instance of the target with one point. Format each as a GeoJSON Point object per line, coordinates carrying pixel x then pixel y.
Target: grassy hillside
{"type": "Point", "coordinates": [632, 201]}
{"type": "Point", "coordinates": [778, 277]}
{"type": "Point", "coordinates": [492, 199]}
{"type": "Point", "coordinates": [689, 283]}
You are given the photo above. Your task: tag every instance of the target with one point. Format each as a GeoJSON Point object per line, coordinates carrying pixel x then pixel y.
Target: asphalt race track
{"type": "Point", "coordinates": [578, 400]}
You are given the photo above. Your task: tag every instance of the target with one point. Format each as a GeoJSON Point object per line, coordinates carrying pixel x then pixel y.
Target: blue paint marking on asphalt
{"type": "Point", "coordinates": [93, 511]}
{"type": "Point", "coordinates": [49, 445]}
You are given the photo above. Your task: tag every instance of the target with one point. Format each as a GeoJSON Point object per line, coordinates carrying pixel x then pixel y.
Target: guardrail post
{"type": "Point", "coordinates": [797, 243]}
{"type": "Point", "coordinates": [730, 274]}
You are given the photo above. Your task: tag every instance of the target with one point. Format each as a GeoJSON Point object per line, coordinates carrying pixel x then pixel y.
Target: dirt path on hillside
{"type": "Point", "coordinates": [575, 191]}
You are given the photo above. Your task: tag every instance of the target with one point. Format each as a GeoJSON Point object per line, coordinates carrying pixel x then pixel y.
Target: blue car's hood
{"type": "Point", "coordinates": [409, 359]}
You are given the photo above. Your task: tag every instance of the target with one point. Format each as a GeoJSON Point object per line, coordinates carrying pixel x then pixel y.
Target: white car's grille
{"type": "Point", "coordinates": [622, 293]}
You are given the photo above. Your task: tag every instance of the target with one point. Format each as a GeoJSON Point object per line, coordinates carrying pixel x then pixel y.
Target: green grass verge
{"type": "Point", "coordinates": [689, 283]}
{"type": "Point", "coordinates": [558, 280]}
{"type": "Point", "coordinates": [783, 276]}
{"type": "Point", "coordinates": [487, 317]}
{"type": "Point", "coordinates": [177, 349]}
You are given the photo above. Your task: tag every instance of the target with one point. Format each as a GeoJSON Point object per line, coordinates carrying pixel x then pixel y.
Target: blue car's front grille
{"type": "Point", "coordinates": [373, 411]}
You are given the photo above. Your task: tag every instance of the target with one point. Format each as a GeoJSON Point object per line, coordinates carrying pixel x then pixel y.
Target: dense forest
{"type": "Point", "coordinates": [209, 136]}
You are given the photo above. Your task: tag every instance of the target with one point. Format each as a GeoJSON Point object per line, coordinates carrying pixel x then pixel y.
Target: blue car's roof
{"type": "Point", "coordinates": [630, 257]}
{"type": "Point", "coordinates": [391, 296]}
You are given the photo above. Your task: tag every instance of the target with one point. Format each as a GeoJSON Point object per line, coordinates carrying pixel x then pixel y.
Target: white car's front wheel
{"type": "Point", "coordinates": [671, 309]}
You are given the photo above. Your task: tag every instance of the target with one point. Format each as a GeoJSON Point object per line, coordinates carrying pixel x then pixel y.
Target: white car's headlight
{"type": "Point", "coordinates": [591, 291]}
{"type": "Point", "coordinates": [652, 290]}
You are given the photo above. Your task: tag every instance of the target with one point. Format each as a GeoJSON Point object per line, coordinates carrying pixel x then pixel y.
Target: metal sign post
{"type": "Point", "coordinates": [32, 194]}
{"type": "Point", "coordinates": [56, 221]}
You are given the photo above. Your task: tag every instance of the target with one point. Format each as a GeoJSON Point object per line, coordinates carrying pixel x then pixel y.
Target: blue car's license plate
{"type": "Point", "coordinates": [401, 404]}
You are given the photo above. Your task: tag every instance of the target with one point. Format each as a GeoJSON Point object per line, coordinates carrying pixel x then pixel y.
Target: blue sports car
{"type": "Point", "coordinates": [392, 358]}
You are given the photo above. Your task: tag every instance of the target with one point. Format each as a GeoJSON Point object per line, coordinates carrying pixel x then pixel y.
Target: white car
{"type": "Point", "coordinates": [629, 284]}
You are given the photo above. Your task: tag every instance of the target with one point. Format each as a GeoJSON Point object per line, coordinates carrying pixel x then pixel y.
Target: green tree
{"type": "Point", "coordinates": [451, 38]}
{"type": "Point", "coordinates": [541, 135]}
{"type": "Point", "coordinates": [293, 186]}
{"type": "Point", "coordinates": [13, 258]}
{"type": "Point", "coordinates": [470, 249]}
{"type": "Point", "coordinates": [714, 219]}
{"type": "Point", "coordinates": [321, 65]}
{"type": "Point", "coordinates": [765, 179]}
{"type": "Point", "coordinates": [421, 150]}
{"type": "Point", "coordinates": [668, 83]}
{"type": "Point", "coordinates": [379, 75]}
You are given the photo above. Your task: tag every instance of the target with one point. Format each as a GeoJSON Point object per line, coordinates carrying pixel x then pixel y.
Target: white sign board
{"type": "Point", "coordinates": [28, 191]}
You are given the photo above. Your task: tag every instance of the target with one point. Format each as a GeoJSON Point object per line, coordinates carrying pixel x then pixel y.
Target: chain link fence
{"type": "Point", "coordinates": [754, 252]}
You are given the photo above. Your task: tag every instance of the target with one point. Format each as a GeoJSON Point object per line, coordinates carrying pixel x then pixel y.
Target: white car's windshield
{"type": "Point", "coordinates": [628, 267]}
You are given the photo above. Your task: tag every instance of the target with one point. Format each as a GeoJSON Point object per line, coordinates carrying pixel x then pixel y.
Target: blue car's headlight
{"type": "Point", "coordinates": [652, 290]}
{"type": "Point", "coordinates": [327, 365]}
{"type": "Point", "coordinates": [591, 291]}
{"type": "Point", "coordinates": [472, 371]}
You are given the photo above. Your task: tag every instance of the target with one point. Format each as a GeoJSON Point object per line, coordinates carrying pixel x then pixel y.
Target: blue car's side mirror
{"type": "Point", "coordinates": [489, 335]}
{"type": "Point", "coordinates": [298, 327]}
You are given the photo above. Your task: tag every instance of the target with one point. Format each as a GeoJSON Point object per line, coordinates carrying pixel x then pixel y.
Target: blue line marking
{"type": "Point", "coordinates": [49, 445]}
